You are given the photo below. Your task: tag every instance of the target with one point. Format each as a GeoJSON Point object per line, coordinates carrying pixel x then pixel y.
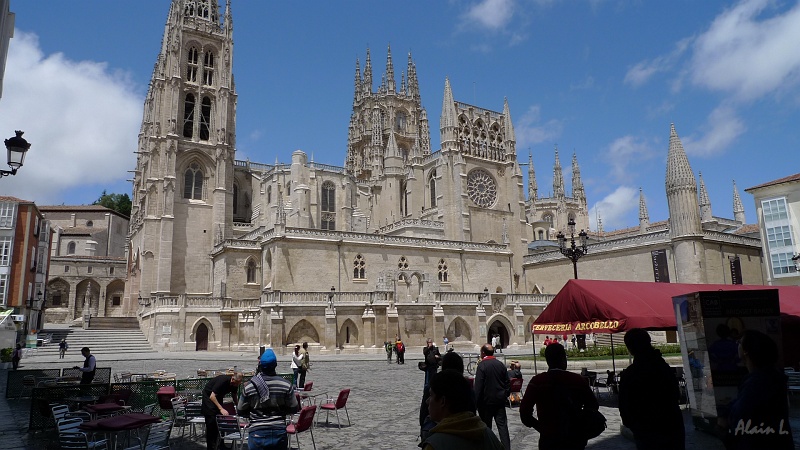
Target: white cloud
{"type": "Point", "coordinates": [746, 54]}
{"type": "Point", "coordinates": [587, 83]}
{"type": "Point", "coordinates": [81, 119]}
{"type": "Point", "coordinates": [490, 14]}
{"type": "Point", "coordinates": [614, 208]}
{"type": "Point", "coordinates": [642, 71]}
{"type": "Point", "coordinates": [625, 151]}
{"type": "Point", "coordinates": [529, 131]}
{"type": "Point", "coordinates": [721, 129]}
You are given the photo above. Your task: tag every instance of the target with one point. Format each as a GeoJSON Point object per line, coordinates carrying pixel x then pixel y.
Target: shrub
{"type": "Point", "coordinates": [619, 350]}
{"type": "Point", "coordinates": [5, 354]}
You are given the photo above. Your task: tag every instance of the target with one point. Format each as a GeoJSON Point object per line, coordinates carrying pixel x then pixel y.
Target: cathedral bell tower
{"type": "Point", "coordinates": [182, 185]}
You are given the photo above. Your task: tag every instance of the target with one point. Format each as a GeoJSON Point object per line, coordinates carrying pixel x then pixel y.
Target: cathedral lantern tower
{"type": "Point", "coordinates": [685, 228]}
{"type": "Point", "coordinates": [182, 184]}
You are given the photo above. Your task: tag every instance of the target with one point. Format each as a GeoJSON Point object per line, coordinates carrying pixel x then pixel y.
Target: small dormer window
{"type": "Point", "coordinates": [89, 224]}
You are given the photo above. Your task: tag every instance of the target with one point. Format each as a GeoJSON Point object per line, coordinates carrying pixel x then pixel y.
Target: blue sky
{"type": "Point", "coordinates": [601, 78]}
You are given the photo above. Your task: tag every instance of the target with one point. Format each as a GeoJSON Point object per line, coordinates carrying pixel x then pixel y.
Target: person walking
{"type": "Point", "coordinates": [89, 366]}
{"type": "Point", "coordinates": [446, 342]}
{"type": "Point", "coordinates": [491, 392]}
{"type": "Point", "coordinates": [297, 361]}
{"type": "Point", "coordinates": [389, 349]}
{"type": "Point", "coordinates": [759, 417]}
{"type": "Point", "coordinates": [16, 355]}
{"type": "Point", "coordinates": [62, 348]}
{"type": "Point", "coordinates": [268, 399]}
{"type": "Point", "coordinates": [213, 393]}
{"type": "Point", "coordinates": [649, 397]}
{"type": "Point", "coordinates": [400, 349]}
{"type": "Point", "coordinates": [551, 393]}
{"type": "Point", "coordinates": [432, 358]}
{"type": "Point", "coordinates": [305, 365]}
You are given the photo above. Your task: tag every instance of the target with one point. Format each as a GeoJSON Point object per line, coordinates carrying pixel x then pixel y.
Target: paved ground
{"type": "Point", "coordinates": [383, 406]}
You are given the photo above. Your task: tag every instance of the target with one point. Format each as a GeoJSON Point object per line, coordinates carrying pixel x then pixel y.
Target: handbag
{"type": "Point", "coordinates": [593, 423]}
{"type": "Point", "coordinates": [422, 366]}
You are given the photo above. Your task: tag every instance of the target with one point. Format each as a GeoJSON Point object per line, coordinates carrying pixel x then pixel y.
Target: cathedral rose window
{"type": "Point", "coordinates": [481, 188]}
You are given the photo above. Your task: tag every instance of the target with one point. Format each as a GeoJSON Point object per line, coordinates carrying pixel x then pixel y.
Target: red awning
{"type": "Point", "coordinates": [597, 306]}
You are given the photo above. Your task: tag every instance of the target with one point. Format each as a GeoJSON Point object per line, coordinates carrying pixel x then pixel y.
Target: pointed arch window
{"type": "Point", "coordinates": [188, 116]}
{"type": "Point", "coordinates": [548, 218]}
{"type": "Point", "coordinates": [235, 198]}
{"type": "Point", "coordinates": [208, 68]}
{"type": "Point", "coordinates": [251, 271]}
{"type": "Point", "coordinates": [191, 65]}
{"type": "Point", "coordinates": [432, 188]}
{"type": "Point", "coordinates": [359, 268]}
{"type": "Point", "coordinates": [205, 118]}
{"type": "Point", "coordinates": [328, 201]}
{"type": "Point", "coordinates": [443, 270]}
{"type": "Point", "coordinates": [193, 182]}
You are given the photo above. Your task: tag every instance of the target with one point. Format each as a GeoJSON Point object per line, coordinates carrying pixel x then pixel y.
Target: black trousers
{"type": "Point", "coordinates": [302, 382]}
{"type": "Point", "coordinates": [498, 413]}
{"type": "Point", "coordinates": [212, 432]}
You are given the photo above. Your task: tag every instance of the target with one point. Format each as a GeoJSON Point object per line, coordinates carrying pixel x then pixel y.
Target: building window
{"type": "Point", "coordinates": [116, 300]}
{"type": "Point", "coordinates": [402, 264]}
{"type": "Point", "coordinates": [89, 269]}
{"type": "Point", "coordinates": [235, 198]}
{"type": "Point", "coordinates": [3, 288]}
{"type": "Point", "coordinates": [188, 116]}
{"type": "Point", "coordinates": [208, 68]}
{"type": "Point", "coordinates": [89, 224]}
{"type": "Point", "coordinates": [269, 195]}
{"type": "Point", "coordinates": [541, 235]}
{"type": "Point", "coordinates": [328, 221]}
{"type": "Point", "coordinates": [6, 215]}
{"type": "Point", "coordinates": [782, 264]}
{"type": "Point", "coordinates": [71, 248]}
{"type": "Point", "coordinates": [774, 209]}
{"type": "Point", "coordinates": [548, 218]}
{"type": "Point", "coordinates": [442, 270]}
{"type": "Point", "coordinates": [205, 118]}
{"type": "Point", "coordinates": [779, 236]}
{"type": "Point", "coordinates": [432, 188]}
{"type": "Point", "coordinates": [251, 271]}
{"type": "Point", "coordinates": [193, 182]}
{"type": "Point", "coordinates": [66, 269]}
{"type": "Point", "coordinates": [5, 250]}
{"type": "Point", "coordinates": [111, 271]}
{"type": "Point", "coordinates": [191, 65]}
{"type": "Point", "coordinates": [359, 268]}
{"type": "Point", "coordinates": [57, 299]}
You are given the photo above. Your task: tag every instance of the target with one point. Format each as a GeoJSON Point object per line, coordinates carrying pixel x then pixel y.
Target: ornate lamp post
{"type": "Point", "coordinates": [16, 147]}
{"type": "Point", "coordinates": [574, 251]}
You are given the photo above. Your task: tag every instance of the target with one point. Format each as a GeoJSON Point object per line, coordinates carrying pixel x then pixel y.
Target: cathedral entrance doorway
{"type": "Point", "coordinates": [201, 338]}
{"type": "Point", "coordinates": [497, 328]}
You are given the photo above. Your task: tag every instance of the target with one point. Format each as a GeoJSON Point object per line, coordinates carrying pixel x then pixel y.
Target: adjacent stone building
{"type": "Point", "coordinates": [88, 264]}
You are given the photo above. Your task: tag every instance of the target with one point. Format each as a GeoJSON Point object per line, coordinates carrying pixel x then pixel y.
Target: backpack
{"type": "Point", "coordinates": [400, 347]}
{"type": "Point", "coordinates": [575, 420]}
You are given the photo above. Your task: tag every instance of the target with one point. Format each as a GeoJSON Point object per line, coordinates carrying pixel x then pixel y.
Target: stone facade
{"type": "Point", "coordinates": [87, 276]}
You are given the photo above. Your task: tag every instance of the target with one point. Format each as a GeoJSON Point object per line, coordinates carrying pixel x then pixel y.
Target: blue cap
{"type": "Point", "coordinates": [268, 358]}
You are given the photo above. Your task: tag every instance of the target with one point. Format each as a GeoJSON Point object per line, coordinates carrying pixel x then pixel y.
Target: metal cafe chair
{"type": "Point", "coordinates": [304, 422]}
{"type": "Point", "coordinates": [340, 403]}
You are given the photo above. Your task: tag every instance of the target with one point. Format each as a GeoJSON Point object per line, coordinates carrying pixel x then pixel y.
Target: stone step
{"type": "Point", "coordinates": [99, 341]}
{"type": "Point", "coordinates": [114, 323]}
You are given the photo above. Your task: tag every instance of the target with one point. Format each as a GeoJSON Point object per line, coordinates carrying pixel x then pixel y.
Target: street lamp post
{"type": "Point", "coordinates": [574, 251]}
{"type": "Point", "coordinates": [16, 147]}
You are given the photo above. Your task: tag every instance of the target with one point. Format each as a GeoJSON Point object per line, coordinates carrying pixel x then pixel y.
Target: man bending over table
{"type": "Point", "coordinates": [268, 399]}
{"type": "Point", "coordinates": [213, 393]}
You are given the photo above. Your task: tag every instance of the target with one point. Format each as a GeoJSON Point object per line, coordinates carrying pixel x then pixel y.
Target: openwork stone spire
{"type": "Point", "coordinates": [705, 203]}
{"type": "Point", "coordinates": [644, 216]}
{"type": "Point", "coordinates": [738, 207]}
{"type": "Point", "coordinates": [558, 178]}
{"type": "Point", "coordinates": [532, 188]}
{"type": "Point", "coordinates": [577, 185]}
{"type": "Point", "coordinates": [684, 210]}
{"type": "Point", "coordinates": [390, 84]}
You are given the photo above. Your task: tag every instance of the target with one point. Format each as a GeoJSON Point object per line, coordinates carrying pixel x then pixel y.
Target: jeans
{"type": "Point", "coordinates": [296, 378]}
{"type": "Point", "coordinates": [498, 412]}
{"type": "Point", "coordinates": [268, 439]}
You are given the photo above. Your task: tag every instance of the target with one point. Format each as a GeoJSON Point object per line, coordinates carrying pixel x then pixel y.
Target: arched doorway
{"type": "Point", "coordinates": [498, 328]}
{"type": "Point", "coordinates": [201, 338]}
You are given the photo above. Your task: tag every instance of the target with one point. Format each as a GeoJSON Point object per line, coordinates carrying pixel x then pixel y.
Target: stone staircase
{"type": "Point", "coordinates": [103, 340]}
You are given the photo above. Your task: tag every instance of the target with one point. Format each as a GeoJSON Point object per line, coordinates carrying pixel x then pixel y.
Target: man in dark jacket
{"type": "Point", "coordinates": [491, 391]}
{"type": "Point", "coordinates": [213, 393]}
{"type": "Point", "coordinates": [649, 395]}
{"type": "Point", "coordinates": [551, 393]}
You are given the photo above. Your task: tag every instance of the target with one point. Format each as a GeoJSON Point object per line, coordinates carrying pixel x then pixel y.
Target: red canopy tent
{"type": "Point", "coordinates": [598, 306]}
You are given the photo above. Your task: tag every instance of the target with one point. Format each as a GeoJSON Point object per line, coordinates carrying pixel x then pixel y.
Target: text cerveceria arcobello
{"type": "Point", "coordinates": [580, 326]}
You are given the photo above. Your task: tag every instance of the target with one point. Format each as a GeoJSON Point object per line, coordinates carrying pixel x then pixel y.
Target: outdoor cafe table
{"type": "Point", "coordinates": [116, 424]}
{"type": "Point", "coordinates": [103, 408]}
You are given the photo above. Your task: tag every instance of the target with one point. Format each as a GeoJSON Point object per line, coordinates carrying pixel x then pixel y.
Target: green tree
{"type": "Point", "coordinates": [120, 203]}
